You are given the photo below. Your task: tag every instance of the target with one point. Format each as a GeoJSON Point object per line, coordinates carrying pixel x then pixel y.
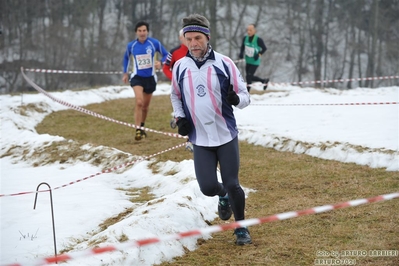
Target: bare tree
{"type": "Point", "coordinates": [373, 42]}
{"type": "Point", "coordinates": [312, 39]}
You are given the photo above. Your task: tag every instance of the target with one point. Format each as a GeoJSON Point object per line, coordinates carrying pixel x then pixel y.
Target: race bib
{"type": "Point", "coordinates": [249, 51]}
{"type": "Point", "coordinates": [144, 61]}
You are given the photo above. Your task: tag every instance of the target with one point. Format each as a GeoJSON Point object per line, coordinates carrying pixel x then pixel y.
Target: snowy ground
{"type": "Point", "coordinates": [321, 123]}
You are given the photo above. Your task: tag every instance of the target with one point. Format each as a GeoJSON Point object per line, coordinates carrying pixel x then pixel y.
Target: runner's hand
{"type": "Point", "coordinates": [125, 78]}
{"type": "Point", "coordinates": [232, 97]}
{"type": "Point", "coordinates": [184, 126]}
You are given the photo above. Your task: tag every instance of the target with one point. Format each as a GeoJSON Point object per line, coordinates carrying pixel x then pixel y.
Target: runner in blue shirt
{"type": "Point", "coordinates": [143, 78]}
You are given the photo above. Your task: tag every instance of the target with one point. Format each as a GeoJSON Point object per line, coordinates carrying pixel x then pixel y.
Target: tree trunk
{"type": "Point", "coordinates": [359, 55]}
{"type": "Point", "coordinates": [352, 47]}
{"type": "Point", "coordinates": [374, 36]}
{"type": "Point", "coordinates": [326, 54]}
{"type": "Point", "coordinates": [318, 38]}
{"type": "Point", "coordinates": [213, 20]}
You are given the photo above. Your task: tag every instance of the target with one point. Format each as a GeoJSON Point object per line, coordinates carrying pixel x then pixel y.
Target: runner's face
{"type": "Point", "coordinates": [251, 30]}
{"type": "Point", "coordinates": [197, 43]}
{"type": "Point", "coordinates": [142, 33]}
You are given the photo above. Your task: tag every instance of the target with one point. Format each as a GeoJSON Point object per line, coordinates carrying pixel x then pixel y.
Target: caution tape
{"type": "Point", "coordinates": [207, 230]}
{"type": "Point", "coordinates": [55, 71]}
{"type": "Point", "coordinates": [325, 104]}
{"type": "Point", "coordinates": [83, 110]}
{"type": "Point", "coordinates": [109, 170]}
{"type": "Point", "coordinates": [254, 85]}
{"type": "Point", "coordinates": [334, 80]}
{"type": "Point", "coordinates": [197, 232]}
{"type": "Point", "coordinates": [58, 71]}
{"type": "Point", "coordinates": [80, 109]}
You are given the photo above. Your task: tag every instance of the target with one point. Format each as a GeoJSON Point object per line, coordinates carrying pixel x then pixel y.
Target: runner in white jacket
{"type": "Point", "coordinates": [205, 85]}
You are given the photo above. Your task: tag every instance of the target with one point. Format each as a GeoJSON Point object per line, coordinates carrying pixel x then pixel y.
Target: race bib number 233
{"type": "Point", "coordinates": [144, 61]}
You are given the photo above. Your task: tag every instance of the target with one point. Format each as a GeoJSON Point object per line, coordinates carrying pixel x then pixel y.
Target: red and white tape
{"type": "Point", "coordinates": [335, 80]}
{"type": "Point", "coordinates": [54, 71]}
{"type": "Point", "coordinates": [80, 109]}
{"type": "Point", "coordinates": [322, 81]}
{"type": "Point", "coordinates": [83, 110]}
{"type": "Point", "coordinates": [58, 71]}
{"type": "Point", "coordinates": [109, 170]}
{"type": "Point", "coordinates": [208, 230]}
{"type": "Point", "coordinates": [323, 104]}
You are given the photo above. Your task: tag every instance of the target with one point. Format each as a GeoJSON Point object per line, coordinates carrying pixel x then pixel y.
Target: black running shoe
{"type": "Point", "coordinates": [265, 84]}
{"type": "Point", "coordinates": [243, 237]}
{"type": "Point", "coordinates": [140, 134]}
{"type": "Point", "coordinates": [224, 208]}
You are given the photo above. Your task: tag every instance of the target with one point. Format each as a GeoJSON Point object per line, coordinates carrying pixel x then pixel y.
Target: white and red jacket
{"type": "Point", "coordinates": [199, 92]}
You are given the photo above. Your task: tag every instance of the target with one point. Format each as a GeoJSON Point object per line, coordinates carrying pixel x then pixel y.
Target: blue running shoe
{"type": "Point", "coordinates": [224, 208]}
{"type": "Point", "coordinates": [243, 237]}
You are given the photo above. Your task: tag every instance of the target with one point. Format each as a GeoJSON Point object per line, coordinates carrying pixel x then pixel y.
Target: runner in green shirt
{"type": "Point", "coordinates": [252, 47]}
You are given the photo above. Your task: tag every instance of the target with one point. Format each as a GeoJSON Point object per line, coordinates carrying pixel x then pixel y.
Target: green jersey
{"type": "Point", "coordinates": [251, 49]}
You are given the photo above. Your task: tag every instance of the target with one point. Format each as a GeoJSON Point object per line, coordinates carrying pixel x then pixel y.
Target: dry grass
{"type": "Point", "coordinates": [88, 129]}
{"type": "Point", "coordinates": [283, 182]}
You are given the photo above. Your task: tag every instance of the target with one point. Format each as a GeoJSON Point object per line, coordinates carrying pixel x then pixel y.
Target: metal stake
{"type": "Point", "coordinates": [52, 213]}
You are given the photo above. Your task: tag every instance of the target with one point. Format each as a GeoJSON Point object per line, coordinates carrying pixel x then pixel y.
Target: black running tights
{"type": "Point", "coordinates": [206, 160]}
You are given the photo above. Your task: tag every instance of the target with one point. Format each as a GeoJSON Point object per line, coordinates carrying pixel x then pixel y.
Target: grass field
{"type": "Point", "coordinates": [283, 182]}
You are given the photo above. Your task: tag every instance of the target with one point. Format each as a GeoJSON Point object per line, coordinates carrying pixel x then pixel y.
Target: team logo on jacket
{"type": "Point", "coordinates": [201, 90]}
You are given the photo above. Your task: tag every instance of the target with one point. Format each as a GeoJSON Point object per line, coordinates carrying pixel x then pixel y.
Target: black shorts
{"type": "Point", "coordinates": [149, 84]}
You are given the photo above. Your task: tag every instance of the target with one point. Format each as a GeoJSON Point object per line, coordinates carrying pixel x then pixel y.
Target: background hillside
{"type": "Point", "coordinates": [306, 40]}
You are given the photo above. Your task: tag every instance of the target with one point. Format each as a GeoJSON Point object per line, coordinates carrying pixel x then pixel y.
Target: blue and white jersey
{"type": "Point", "coordinates": [143, 56]}
{"type": "Point", "coordinates": [199, 94]}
